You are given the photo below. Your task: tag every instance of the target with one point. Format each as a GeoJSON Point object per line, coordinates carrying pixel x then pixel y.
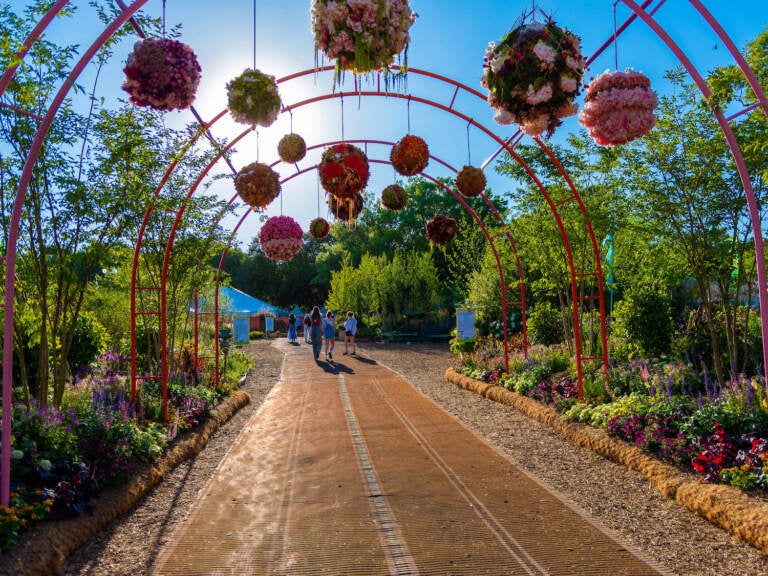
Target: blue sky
{"type": "Point", "coordinates": [449, 38]}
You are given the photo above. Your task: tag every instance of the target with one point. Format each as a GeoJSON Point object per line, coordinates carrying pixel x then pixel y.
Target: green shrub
{"type": "Point", "coordinates": [255, 335]}
{"type": "Point", "coordinates": [545, 325]}
{"type": "Point", "coordinates": [642, 322]}
{"type": "Point", "coordinates": [459, 346]}
{"type": "Point", "coordinates": [89, 340]}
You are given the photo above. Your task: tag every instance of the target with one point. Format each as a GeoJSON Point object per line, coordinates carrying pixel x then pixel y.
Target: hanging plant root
{"type": "Point", "coordinates": [723, 506]}
{"type": "Point", "coordinates": [44, 548]}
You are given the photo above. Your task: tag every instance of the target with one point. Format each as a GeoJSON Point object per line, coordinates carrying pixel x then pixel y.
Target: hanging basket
{"type": "Point", "coordinates": [281, 238]}
{"type": "Point", "coordinates": [257, 184]}
{"type": "Point", "coordinates": [346, 210]}
{"type": "Point", "coordinates": [343, 170]}
{"type": "Point", "coordinates": [253, 98]}
{"type": "Point", "coordinates": [410, 155]}
{"type": "Point", "coordinates": [361, 36]}
{"type": "Point", "coordinates": [619, 107]}
{"type": "Point", "coordinates": [394, 197]}
{"type": "Point", "coordinates": [319, 228]}
{"type": "Point", "coordinates": [441, 230]}
{"type": "Point", "coordinates": [162, 73]}
{"type": "Point", "coordinates": [470, 181]}
{"type": "Point", "coordinates": [533, 75]}
{"type": "Point", "coordinates": [291, 148]}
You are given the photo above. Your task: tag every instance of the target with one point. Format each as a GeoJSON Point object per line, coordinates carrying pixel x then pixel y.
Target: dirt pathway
{"type": "Point", "coordinates": [346, 469]}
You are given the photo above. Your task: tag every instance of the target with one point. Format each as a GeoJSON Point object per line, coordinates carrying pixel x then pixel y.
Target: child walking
{"type": "Point", "coordinates": [350, 329]}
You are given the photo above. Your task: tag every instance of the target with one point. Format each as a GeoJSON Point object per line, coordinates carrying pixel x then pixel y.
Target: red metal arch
{"type": "Point", "coordinates": [554, 208]}
{"type": "Point", "coordinates": [129, 11]}
{"type": "Point", "coordinates": [164, 369]}
{"type": "Point", "coordinates": [441, 184]}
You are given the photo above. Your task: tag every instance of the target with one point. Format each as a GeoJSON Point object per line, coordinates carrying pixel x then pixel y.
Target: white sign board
{"type": "Point", "coordinates": [465, 324]}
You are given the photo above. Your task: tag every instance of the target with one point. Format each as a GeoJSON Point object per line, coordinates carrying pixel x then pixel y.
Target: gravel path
{"type": "Point", "coordinates": [621, 500]}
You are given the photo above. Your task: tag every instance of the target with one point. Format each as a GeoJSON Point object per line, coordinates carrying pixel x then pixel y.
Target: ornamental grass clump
{"type": "Point", "coordinates": [410, 155]}
{"type": "Point", "coordinates": [470, 181]}
{"type": "Point", "coordinates": [291, 148]}
{"type": "Point", "coordinates": [394, 197]}
{"type": "Point", "coordinates": [257, 184]}
{"type": "Point", "coordinates": [533, 76]}
{"type": "Point", "coordinates": [253, 98]}
{"type": "Point", "coordinates": [162, 73]}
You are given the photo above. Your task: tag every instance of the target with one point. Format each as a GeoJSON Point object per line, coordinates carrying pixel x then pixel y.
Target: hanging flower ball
{"type": "Point", "coordinates": [533, 75]}
{"type": "Point", "coordinates": [346, 210]}
{"type": "Point", "coordinates": [319, 228]}
{"type": "Point", "coordinates": [410, 155]}
{"type": "Point", "coordinates": [253, 98]}
{"type": "Point", "coordinates": [441, 230]}
{"type": "Point", "coordinates": [393, 197]}
{"type": "Point", "coordinates": [470, 181]}
{"type": "Point", "coordinates": [162, 73]}
{"type": "Point", "coordinates": [257, 184]}
{"type": "Point", "coordinates": [619, 107]}
{"type": "Point", "coordinates": [281, 238]}
{"type": "Point", "coordinates": [343, 170]}
{"type": "Point", "coordinates": [364, 35]}
{"type": "Point", "coordinates": [291, 148]}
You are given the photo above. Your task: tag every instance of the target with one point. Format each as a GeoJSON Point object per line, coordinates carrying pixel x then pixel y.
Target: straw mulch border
{"type": "Point", "coordinates": [45, 547]}
{"type": "Point", "coordinates": [723, 506]}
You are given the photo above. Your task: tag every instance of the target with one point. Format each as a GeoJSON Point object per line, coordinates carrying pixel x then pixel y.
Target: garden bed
{"type": "Point", "coordinates": [741, 514]}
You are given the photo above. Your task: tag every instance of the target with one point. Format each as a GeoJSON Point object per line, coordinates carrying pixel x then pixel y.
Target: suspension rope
{"type": "Point", "coordinates": [469, 152]}
{"type": "Point", "coordinates": [409, 113]}
{"type": "Point", "coordinates": [341, 98]}
{"type": "Point", "coordinates": [163, 18]}
{"type": "Point", "coordinates": [254, 34]}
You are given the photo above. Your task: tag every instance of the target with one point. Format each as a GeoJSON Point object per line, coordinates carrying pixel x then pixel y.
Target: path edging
{"type": "Point", "coordinates": [45, 547]}
{"type": "Point", "coordinates": [723, 506]}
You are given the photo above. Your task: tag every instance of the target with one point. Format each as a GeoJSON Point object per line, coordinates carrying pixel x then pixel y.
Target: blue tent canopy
{"type": "Point", "coordinates": [238, 302]}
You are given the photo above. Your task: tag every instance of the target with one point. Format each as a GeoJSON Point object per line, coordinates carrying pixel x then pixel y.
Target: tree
{"type": "Point", "coordinates": [93, 177]}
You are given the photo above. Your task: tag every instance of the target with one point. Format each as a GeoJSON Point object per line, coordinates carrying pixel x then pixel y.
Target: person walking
{"type": "Point", "coordinates": [350, 329]}
{"type": "Point", "coordinates": [292, 328]}
{"type": "Point", "coordinates": [307, 322]}
{"type": "Point", "coordinates": [316, 331]}
{"type": "Point", "coordinates": [329, 334]}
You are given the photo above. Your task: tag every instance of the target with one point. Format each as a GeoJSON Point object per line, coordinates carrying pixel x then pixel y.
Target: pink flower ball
{"type": "Point", "coordinates": [619, 107]}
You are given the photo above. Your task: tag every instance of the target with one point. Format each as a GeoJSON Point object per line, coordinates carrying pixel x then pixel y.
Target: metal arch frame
{"type": "Point", "coordinates": [164, 369]}
{"type": "Point", "coordinates": [554, 208]}
{"type": "Point", "coordinates": [127, 12]}
{"type": "Point", "coordinates": [435, 180]}
{"type": "Point", "coordinates": [733, 144]}
{"type": "Point", "coordinates": [10, 256]}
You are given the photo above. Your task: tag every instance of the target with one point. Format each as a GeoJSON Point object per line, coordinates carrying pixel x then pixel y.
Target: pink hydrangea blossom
{"type": "Point", "coordinates": [545, 53]}
{"type": "Point", "coordinates": [541, 95]}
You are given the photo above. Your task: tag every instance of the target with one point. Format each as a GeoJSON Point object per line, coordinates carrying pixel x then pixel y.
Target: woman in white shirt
{"type": "Point", "coordinates": [350, 329]}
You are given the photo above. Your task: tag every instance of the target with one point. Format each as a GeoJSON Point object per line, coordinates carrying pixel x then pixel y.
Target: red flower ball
{"type": "Point", "coordinates": [470, 181]}
{"type": "Point", "coordinates": [319, 228]}
{"type": "Point", "coordinates": [410, 155]}
{"type": "Point", "coordinates": [441, 230]}
{"type": "Point", "coordinates": [393, 197]}
{"type": "Point", "coordinates": [343, 170]}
